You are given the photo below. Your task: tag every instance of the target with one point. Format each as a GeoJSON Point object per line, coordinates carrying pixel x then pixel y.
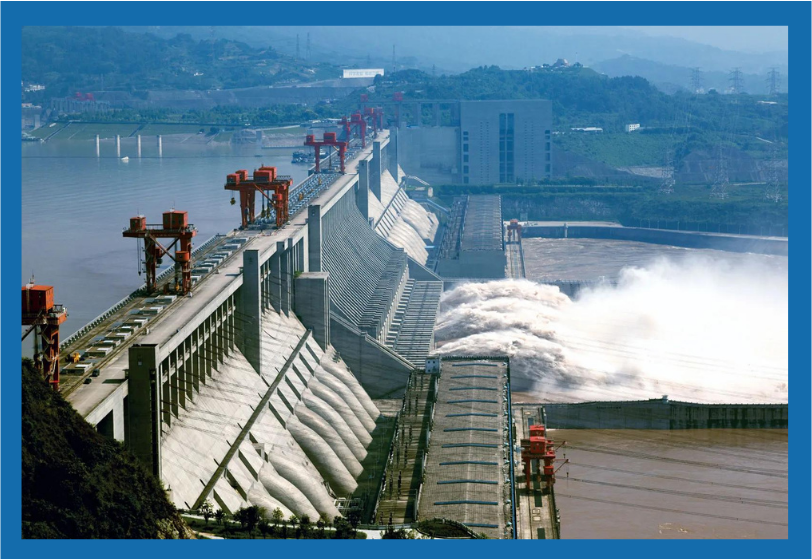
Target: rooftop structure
{"type": "Point", "coordinates": [473, 241]}
{"type": "Point", "coordinates": [468, 472]}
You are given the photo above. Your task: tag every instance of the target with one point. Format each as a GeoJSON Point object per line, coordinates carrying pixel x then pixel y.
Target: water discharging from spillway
{"type": "Point", "coordinates": [414, 225]}
{"type": "Point", "coordinates": [703, 330]}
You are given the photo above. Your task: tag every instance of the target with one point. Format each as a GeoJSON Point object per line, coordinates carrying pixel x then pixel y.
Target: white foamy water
{"type": "Point", "coordinates": [406, 237]}
{"type": "Point", "coordinates": [424, 222]}
{"type": "Point", "coordinates": [702, 330]}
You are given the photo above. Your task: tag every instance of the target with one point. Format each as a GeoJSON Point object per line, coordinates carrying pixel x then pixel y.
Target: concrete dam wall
{"type": "Point", "coordinates": [297, 454]}
{"type": "Point", "coordinates": [256, 389]}
{"type": "Point", "coordinates": [662, 414]}
{"type": "Point", "coordinates": [688, 239]}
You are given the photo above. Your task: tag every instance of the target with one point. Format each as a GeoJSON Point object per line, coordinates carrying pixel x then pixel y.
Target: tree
{"type": "Point", "coordinates": [252, 516]}
{"type": "Point", "coordinates": [354, 519]}
{"type": "Point", "coordinates": [264, 527]}
{"type": "Point", "coordinates": [321, 523]}
{"type": "Point", "coordinates": [304, 524]}
{"type": "Point", "coordinates": [219, 516]}
{"type": "Point", "coordinates": [206, 511]}
{"type": "Point", "coordinates": [293, 520]}
{"type": "Point", "coordinates": [392, 533]}
{"type": "Point", "coordinates": [277, 516]}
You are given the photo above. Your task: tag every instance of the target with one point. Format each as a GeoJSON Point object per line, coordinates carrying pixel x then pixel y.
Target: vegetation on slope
{"type": "Point", "coordinates": [69, 59]}
{"type": "Point", "coordinates": [77, 483]}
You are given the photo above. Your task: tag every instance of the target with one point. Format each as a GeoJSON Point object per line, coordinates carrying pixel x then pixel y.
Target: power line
{"type": "Point", "coordinates": [773, 81]}
{"type": "Point", "coordinates": [736, 84]}
{"type": "Point", "coordinates": [669, 510]}
{"type": "Point", "coordinates": [639, 455]}
{"type": "Point", "coordinates": [776, 504]}
{"type": "Point", "coordinates": [696, 80]}
{"type": "Point", "coordinates": [678, 478]}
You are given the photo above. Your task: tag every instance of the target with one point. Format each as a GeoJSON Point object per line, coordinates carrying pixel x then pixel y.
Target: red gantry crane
{"type": "Point", "coordinates": [375, 117]}
{"type": "Point", "coordinates": [264, 179]}
{"type": "Point", "coordinates": [44, 317]}
{"type": "Point", "coordinates": [329, 139]}
{"type": "Point", "coordinates": [541, 449]}
{"type": "Point", "coordinates": [175, 226]}
{"type": "Point", "coordinates": [514, 230]}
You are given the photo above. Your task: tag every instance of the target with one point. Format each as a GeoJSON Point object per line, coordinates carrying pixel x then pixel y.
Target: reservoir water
{"type": "Point", "coordinates": [75, 206]}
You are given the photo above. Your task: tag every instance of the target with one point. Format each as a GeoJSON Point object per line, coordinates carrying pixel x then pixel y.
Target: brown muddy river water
{"type": "Point", "coordinates": [688, 484]}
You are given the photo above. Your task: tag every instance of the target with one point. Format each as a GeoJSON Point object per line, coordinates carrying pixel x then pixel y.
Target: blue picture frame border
{"type": "Point", "coordinates": [795, 15]}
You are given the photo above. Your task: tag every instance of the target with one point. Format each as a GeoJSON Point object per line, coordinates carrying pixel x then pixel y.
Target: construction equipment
{"type": "Point", "coordinates": [375, 117]}
{"type": "Point", "coordinates": [329, 139]}
{"type": "Point", "coordinates": [175, 226]}
{"type": "Point", "coordinates": [44, 317]}
{"type": "Point", "coordinates": [263, 181]}
{"type": "Point", "coordinates": [356, 122]}
{"type": "Point", "coordinates": [539, 448]}
{"type": "Point", "coordinates": [514, 231]}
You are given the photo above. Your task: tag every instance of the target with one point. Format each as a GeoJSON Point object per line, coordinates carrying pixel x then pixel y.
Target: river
{"type": "Point", "coordinates": [649, 484]}
{"type": "Point", "coordinates": [75, 206]}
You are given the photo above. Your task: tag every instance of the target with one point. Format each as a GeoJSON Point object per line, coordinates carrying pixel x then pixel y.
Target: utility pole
{"type": "Point", "coordinates": [773, 81]}
{"type": "Point", "coordinates": [696, 80]}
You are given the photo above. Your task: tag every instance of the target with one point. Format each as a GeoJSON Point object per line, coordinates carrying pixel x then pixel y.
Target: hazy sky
{"type": "Point", "coordinates": [745, 39]}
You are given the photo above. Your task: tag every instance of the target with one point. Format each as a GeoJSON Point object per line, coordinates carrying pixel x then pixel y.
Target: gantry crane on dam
{"type": "Point", "coordinates": [264, 179]}
{"type": "Point", "coordinates": [44, 317]}
{"type": "Point", "coordinates": [175, 226]}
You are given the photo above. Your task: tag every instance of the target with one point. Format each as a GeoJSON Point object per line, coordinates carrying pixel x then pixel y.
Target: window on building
{"type": "Point", "coordinates": [547, 168]}
{"type": "Point", "coordinates": [547, 146]}
{"type": "Point", "coordinates": [465, 147]}
{"type": "Point", "coordinates": [465, 169]}
{"type": "Point", "coordinates": [465, 180]}
{"type": "Point", "coordinates": [465, 158]}
{"type": "Point", "coordinates": [506, 153]}
{"type": "Point", "coordinates": [547, 156]}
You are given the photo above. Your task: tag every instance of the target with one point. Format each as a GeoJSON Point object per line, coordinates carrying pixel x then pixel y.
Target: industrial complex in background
{"type": "Point", "coordinates": [291, 363]}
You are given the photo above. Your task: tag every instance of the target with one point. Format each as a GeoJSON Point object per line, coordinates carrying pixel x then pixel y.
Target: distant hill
{"type": "Point", "coordinates": [70, 59]}
{"type": "Point", "coordinates": [78, 484]}
{"type": "Point", "coordinates": [670, 77]}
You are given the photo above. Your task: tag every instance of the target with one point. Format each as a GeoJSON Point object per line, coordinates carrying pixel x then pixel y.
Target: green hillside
{"type": "Point", "coordinates": [76, 483]}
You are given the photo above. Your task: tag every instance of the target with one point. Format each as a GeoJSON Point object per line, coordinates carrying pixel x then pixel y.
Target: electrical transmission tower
{"type": "Point", "coordinates": [667, 183]}
{"type": "Point", "coordinates": [721, 181]}
{"type": "Point", "coordinates": [307, 48]}
{"type": "Point", "coordinates": [773, 190]}
{"type": "Point", "coordinates": [773, 81]}
{"type": "Point", "coordinates": [696, 80]}
{"type": "Point", "coordinates": [736, 85]}
{"type": "Point", "coordinates": [394, 60]}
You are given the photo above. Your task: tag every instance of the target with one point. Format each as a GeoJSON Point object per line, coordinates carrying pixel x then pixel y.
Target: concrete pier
{"type": "Point", "coordinates": [98, 151]}
{"type": "Point", "coordinates": [160, 146]}
{"type": "Point", "coordinates": [138, 145]}
{"type": "Point", "coordinates": [118, 146]}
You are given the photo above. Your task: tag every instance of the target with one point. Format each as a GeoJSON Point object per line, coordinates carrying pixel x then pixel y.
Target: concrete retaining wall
{"type": "Point", "coordinates": [689, 239]}
{"type": "Point", "coordinates": [660, 414]}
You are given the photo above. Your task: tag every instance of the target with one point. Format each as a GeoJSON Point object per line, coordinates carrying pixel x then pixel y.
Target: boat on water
{"type": "Point", "coordinates": [304, 157]}
{"type": "Point", "coordinates": [125, 159]}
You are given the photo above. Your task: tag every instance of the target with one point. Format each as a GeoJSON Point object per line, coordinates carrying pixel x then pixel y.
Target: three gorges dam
{"type": "Point", "coordinates": [257, 386]}
{"type": "Point", "coordinates": [293, 365]}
